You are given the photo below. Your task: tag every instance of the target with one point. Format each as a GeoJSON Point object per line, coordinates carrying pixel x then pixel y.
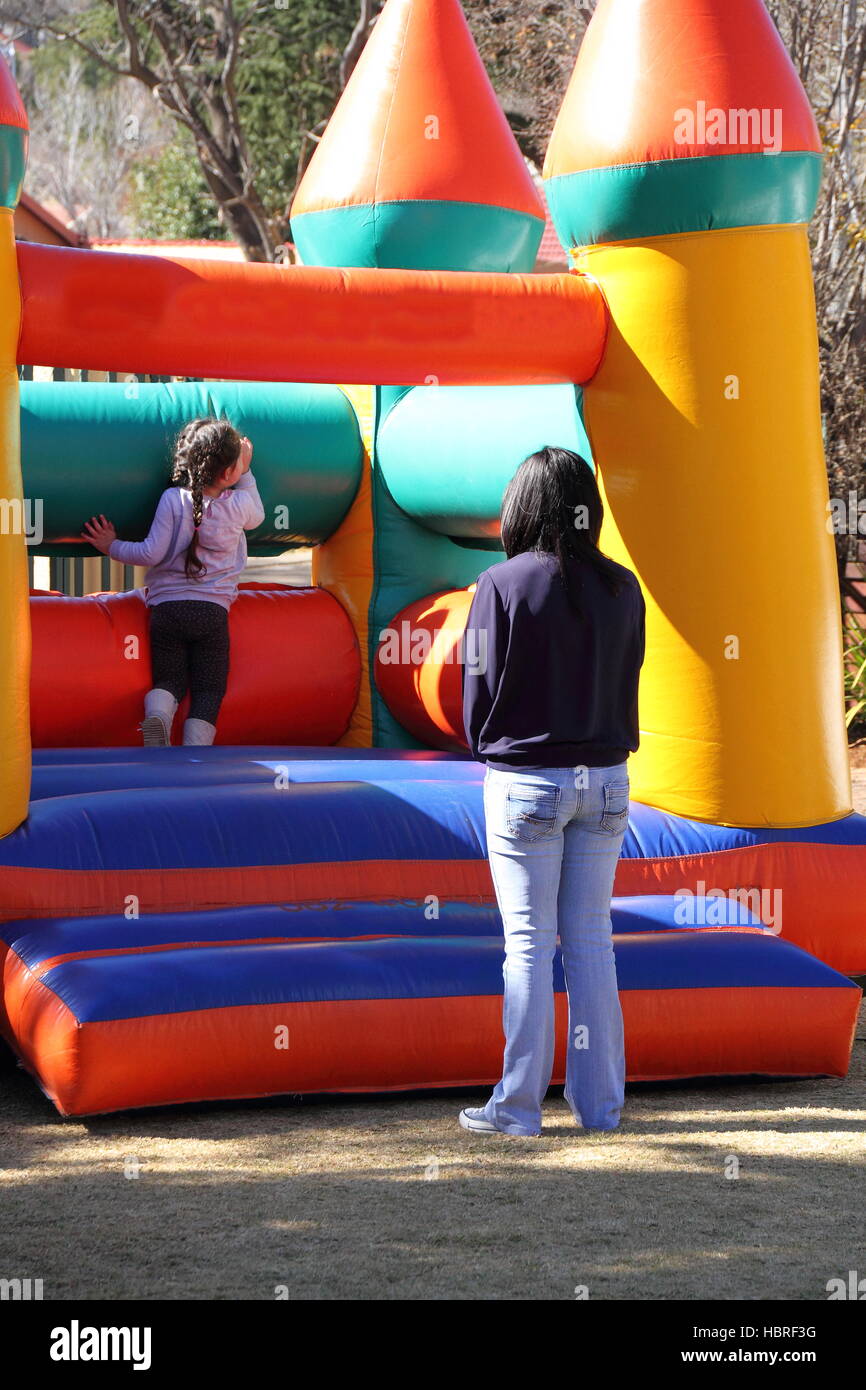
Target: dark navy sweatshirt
{"type": "Point", "coordinates": [542, 685]}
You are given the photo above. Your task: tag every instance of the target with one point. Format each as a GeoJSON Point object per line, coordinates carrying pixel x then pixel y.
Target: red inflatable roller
{"type": "Point", "coordinates": [418, 670]}
{"type": "Point", "coordinates": [306, 323]}
{"type": "Point", "coordinates": [294, 675]}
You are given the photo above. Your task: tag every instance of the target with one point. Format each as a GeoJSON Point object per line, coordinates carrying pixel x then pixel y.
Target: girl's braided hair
{"type": "Point", "coordinates": [203, 451]}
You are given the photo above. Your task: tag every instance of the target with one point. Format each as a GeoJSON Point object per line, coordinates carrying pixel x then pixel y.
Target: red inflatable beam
{"type": "Point", "coordinates": [113, 312]}
{"type": "Point", "coordinates": [294, 674]}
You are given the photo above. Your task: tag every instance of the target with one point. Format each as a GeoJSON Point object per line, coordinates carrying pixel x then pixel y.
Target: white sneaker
{"type": "Point", "coordinates": [160, 707]}
{"type": "Point", "coordinates": [155, 732]}
{"type": "Point", "coordinates": [198, 733]}
{"type": "Point", "coordinates": [476, 1120]}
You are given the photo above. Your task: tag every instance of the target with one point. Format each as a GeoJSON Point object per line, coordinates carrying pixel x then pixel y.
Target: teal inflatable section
{"type": "Point", "coordinates": [673, 196]}
{"type": "Point", "coordinates": [447, 453]}
{"type": "Point", "coordinates": [13, 162]}
{"type": "Point", "coordinates": [420, 234]}
{"type": "Point", "coordinates": [441, 429]}
{"type": "Point", "coordinates": [104, 447]}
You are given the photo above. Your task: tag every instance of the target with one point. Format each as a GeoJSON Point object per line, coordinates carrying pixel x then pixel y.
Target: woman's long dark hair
{"type": "Point", "coordinates": [553, 504]}
{"type": "Point", "coordinates": [203, 451]}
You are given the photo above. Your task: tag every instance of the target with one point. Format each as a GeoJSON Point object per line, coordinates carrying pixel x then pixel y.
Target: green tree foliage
{"type": "Point", "coordinates": [246, 86]}
{"type": "Point", "coordinates": [528, 48]}
{"type": "Point", "coordinates": [289, 83]}
{"type": "Point", "coordinates": [169, 199]}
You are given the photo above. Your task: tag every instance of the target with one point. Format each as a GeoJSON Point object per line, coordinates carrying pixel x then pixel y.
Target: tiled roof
{"type": "Point", "coordinates": [550, 251]}
{"type": "Point", "coordinates": [49, 219]}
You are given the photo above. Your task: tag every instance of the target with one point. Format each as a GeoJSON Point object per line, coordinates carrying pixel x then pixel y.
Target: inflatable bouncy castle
{"type": "Point", "coordinates": [307, 906]}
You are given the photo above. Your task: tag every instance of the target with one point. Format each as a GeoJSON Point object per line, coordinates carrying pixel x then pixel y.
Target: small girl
{"type": "Point", "coordinates": [195, 552]}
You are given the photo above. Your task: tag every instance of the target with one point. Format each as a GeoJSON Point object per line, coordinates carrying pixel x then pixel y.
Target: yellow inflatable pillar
{"type": "Point", "coordinates": [705, 420]}
{"type": "Point", "coordinates": [343, 564]}
{"type": "Point", "coordinates": [15, 519]}
{"type": "Point", "coordinates": [682, 172]}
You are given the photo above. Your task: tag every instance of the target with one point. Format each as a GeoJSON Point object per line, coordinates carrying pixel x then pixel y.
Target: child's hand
{"type": "Point", "coordinates": [100, 533]}
{"type": "Point", "coordinates": [246, 453]}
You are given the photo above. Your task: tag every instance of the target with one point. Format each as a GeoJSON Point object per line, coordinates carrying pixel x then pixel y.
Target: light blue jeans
{"type": "Point", "coordinates": [553, 838]}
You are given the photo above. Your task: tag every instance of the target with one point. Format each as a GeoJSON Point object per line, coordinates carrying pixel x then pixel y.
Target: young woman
{"type": "Point", "coordinates": [550, 705]}
{"type": "Point", "coordinates": [195, 552]}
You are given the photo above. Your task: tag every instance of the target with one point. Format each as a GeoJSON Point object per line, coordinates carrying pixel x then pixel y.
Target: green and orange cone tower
{"type": "Point", "coordinates": [418, 168]}
{"type": "Point", "coordinates": [682, 173]}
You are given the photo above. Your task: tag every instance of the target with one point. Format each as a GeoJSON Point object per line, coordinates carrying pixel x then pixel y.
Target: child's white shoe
{"type": "Point", "coordinates": [159, 712]}
{"type": "Point", "coordinates": [198, 733]}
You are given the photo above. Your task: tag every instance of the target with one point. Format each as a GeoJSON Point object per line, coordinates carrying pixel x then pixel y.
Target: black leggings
{"type": "Point", "coordinates": [189, 648]}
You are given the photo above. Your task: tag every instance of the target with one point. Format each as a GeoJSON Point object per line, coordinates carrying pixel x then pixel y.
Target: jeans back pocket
{"type": "Point", "coordinates": [530, 812]}
{"type": "Point", "coordinates": [614, 816]}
